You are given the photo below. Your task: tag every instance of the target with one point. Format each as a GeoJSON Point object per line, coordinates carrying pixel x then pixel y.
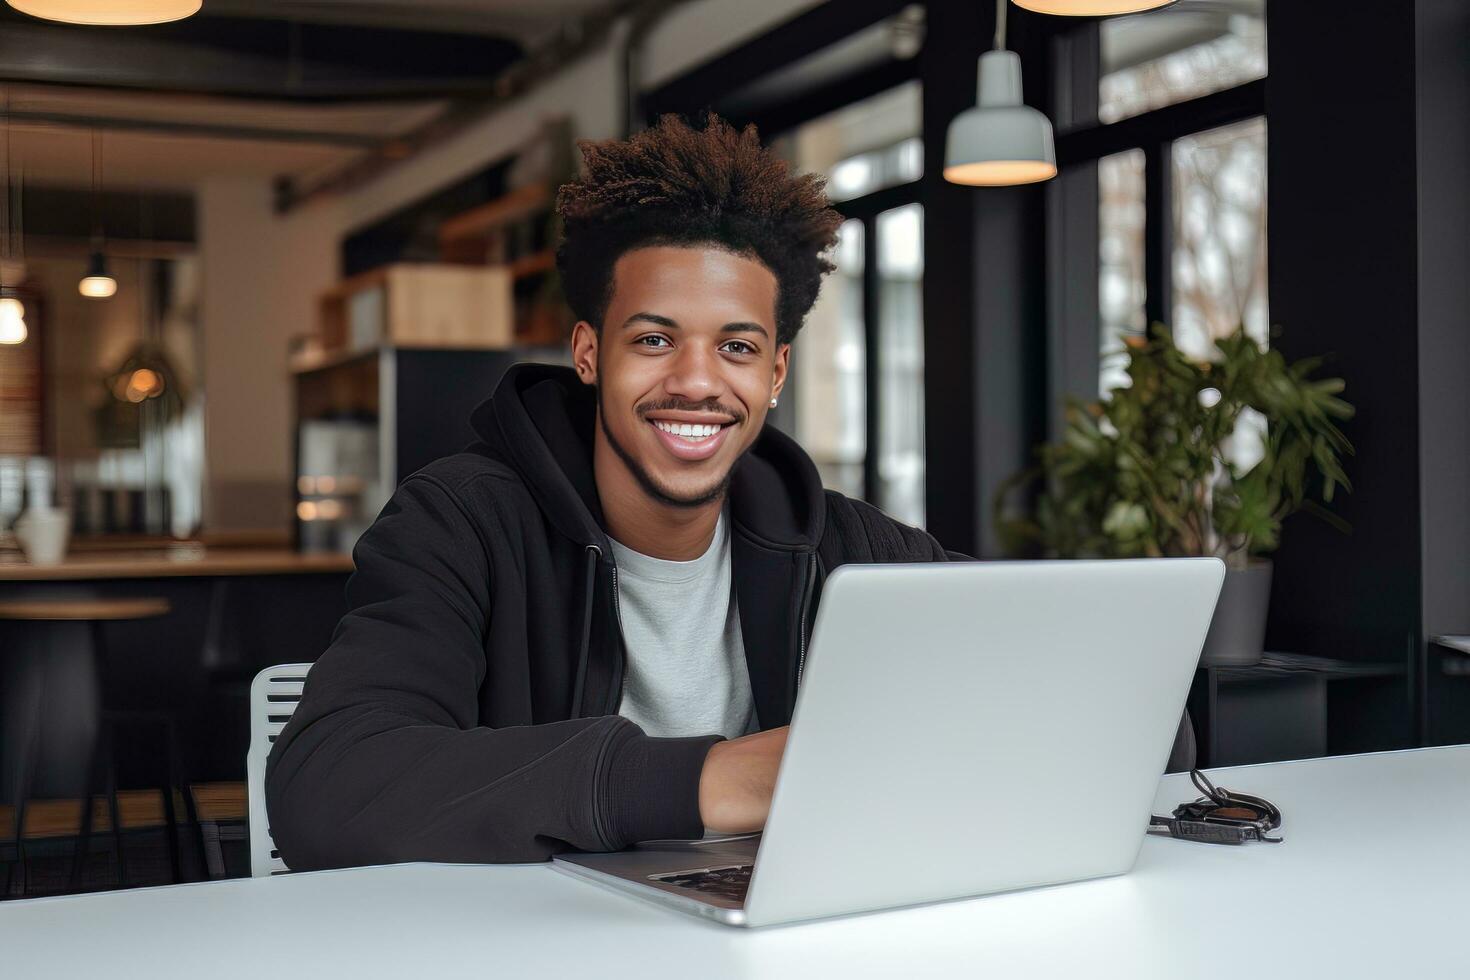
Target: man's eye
{"type": "Point", "coordinates": [652, 336]}
{"type": "Point", "coordinates": [745, 348]}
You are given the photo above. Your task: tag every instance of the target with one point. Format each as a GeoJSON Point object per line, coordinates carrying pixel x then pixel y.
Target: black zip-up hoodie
{"type": "Point", "coordinates": [466, 709]}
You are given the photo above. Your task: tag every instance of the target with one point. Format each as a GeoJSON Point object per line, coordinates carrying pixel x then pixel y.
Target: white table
{"type": "Point", "coordinates": [1383, 895]}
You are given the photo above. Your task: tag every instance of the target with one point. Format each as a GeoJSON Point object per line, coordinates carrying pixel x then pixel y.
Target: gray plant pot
{"type": "Point", "coordinates": [1238, 632]}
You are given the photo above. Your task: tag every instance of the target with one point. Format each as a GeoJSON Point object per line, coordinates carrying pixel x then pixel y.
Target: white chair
{"type": "Point", "coordinates": [274, 694]}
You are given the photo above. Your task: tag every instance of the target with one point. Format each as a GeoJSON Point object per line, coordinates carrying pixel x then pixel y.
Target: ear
{"type": "Point", "coordinates": [584, 352]}
{"type": "Point", "coordinates": [783, 359]}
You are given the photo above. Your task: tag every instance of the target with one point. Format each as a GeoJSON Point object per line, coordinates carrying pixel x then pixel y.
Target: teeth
{"type": "Point", "coordinates": [696, 433]}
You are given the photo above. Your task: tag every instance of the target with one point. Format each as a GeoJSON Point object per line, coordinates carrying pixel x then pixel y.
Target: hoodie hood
{"type": "Point", "coordinates": [541, 421]}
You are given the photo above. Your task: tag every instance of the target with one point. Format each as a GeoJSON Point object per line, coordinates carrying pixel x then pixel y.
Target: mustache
{"type": "Point", "coordinates": [712, 408]}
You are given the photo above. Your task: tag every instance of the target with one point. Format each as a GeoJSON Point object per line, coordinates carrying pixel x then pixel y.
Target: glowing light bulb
{"type": "Point", "coordinates": [12, 327]}
{"type": "Point", "coordinates": [97, 287]}
{"type": "Point", "coordinates": [97, 283]}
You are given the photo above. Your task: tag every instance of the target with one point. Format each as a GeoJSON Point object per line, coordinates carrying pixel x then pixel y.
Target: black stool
{"type": "Point", "coordinates": [87, 704]}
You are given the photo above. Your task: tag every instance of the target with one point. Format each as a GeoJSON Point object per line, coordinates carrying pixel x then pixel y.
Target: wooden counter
{"type": "Point", "coordinates": [173, 561]}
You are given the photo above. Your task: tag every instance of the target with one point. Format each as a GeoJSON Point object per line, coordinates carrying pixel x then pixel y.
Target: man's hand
{"type": "Point", "coordinates": [738, 778]}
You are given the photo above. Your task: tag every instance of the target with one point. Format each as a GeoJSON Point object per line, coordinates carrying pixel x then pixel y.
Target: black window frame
{"type": "Point", "coordinates": [1074, 316]}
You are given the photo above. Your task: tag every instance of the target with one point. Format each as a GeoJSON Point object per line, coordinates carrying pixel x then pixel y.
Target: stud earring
{"type": "Point", "coordinates": [773, 403]}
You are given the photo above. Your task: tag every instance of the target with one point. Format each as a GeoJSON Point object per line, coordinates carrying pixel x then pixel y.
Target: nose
{"type": "Point", "coordinates": [695, 374]}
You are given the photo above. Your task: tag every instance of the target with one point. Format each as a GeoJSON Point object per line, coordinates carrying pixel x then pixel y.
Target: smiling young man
{"type": "Point", "coordinates": [588, 629]}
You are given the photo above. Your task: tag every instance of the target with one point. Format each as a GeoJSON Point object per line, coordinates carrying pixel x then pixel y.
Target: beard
{"type": "Point", "coordinates": [645, 479]}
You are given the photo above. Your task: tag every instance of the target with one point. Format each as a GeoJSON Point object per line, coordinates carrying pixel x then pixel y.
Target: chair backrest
{"type": "Point", "coordinates": [274, 694]}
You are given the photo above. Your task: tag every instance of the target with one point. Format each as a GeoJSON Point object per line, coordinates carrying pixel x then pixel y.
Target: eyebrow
{"type": "Point", "coordinates": [740, 326]}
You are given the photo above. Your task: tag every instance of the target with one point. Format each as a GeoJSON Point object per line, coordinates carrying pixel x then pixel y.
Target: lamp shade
{"type": "Point", "coordinates": [97, 284]}
{"type": "Point", "coordinates": [1001, 141]}
{"type": "Point", "coordinates": [1090, 8]}
{"type": "Point", "coordinates": [108, 13]}
{"type": "Point", "coordinates": [12, 321]}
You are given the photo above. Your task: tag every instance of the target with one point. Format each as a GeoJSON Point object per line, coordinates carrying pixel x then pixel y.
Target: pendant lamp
{"type": "Point", "coordinates": [1001, 141]}
{"type": "Point", "coordinates": [97, 283]}
{"type": "Point", "coordinates": [108, 13]}
{"type": "Point", "coordinates": [1090, 8]}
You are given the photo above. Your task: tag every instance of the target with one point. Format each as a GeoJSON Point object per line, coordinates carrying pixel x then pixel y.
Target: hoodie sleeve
{"type": "Point", "coordinates": [859, 532]}
{"type": "Point", "coordinates": [384, 759]}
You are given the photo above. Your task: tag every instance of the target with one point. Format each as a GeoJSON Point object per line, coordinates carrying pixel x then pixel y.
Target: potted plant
{"type": "Point", "coordinates": [1165, 467]}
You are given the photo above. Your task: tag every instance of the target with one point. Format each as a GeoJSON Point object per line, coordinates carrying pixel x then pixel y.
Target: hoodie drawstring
{"type": "Point", "coordinates": [593, 553]}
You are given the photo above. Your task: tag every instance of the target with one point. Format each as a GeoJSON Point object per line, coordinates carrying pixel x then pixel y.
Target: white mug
{"type": "Point", "coordinates": [43, 533]}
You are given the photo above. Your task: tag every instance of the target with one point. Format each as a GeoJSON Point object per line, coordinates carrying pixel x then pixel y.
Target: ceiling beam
{"type": "Point", "coordinates": [167, 127]}
{"type": "Point", "coordinates": [571, 42]}
{"type": "Point", "coordinates": [399, 16]}
{"type": "Point", "coordinates": [262, 59]}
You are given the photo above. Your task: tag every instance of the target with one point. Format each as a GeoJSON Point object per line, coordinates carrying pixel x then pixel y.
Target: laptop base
{"type": "Point", "coordinates": [638, 872]}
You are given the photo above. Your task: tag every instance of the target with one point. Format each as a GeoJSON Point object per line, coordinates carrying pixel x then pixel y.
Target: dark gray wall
{"type": "Point", "coordinates": [1442, 52]}
{"type": "Point", "coordinates": [1368, 226]}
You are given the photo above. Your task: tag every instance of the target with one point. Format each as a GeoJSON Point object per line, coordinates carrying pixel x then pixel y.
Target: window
{"type": "Point", "coordinates": [863, 147]}
{"type": "Point", "coordinates": [1121, 288]}
{"type": "Point", "coordinates": [1168, 207]}
{"type": "Point", "coordinates": [1219, 239]}
{"type": "Point", "coordinates": [828, 356]}
{"type": "Point", "coordinates": [901, 333]}
{"type": "Point", "coordinates": [1168, 56]}
{"type": "Point", "coordinates": [857, 367]}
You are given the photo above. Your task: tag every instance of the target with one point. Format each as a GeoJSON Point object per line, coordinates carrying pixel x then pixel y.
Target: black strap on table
{"type": "Point", "coordinates": [1221, 817]}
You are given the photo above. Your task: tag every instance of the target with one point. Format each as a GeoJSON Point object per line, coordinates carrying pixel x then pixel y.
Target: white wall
{"type": "Point", "coordinates": [263, 272]}
{"type": "Point", "coordinates": [261, 276]}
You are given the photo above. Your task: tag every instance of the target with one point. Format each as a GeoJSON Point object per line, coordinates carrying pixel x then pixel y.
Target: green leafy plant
{"type": "Point", "coordinates": [1149, 471]}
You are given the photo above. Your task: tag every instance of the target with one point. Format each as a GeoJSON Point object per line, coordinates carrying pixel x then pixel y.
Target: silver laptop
{"type": "Point", "coordinates": [962, 728]}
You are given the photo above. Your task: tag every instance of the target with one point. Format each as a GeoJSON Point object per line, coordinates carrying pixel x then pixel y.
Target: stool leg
{"type": "Point", "coordinates": [27, 770]}
{"type": "Point", "coordinates": [99, 654]}
{"type": "Point", "coordinates": [84, 841]}
{"type": "Point", "coordinates": [117, 841]}
{"type": "Point", "coordinates": [169, 816]}
{"type": "Point", "coordinates": [191, 819]}
{"type": "Point", "coordinates": [214, 854]}
{"type": "Point", "coordinates": [20, 853]}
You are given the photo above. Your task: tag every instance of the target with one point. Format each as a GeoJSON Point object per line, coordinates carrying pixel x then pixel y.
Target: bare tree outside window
{"type": "Point", "coordinates": [1121, 285]}
{"type": "Point", "coordinates": [1219, 261]}
{"type": "Point", "coordinates": [1188, 50]}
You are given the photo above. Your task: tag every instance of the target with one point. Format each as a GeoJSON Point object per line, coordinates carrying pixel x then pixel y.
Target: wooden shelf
{"type": "Point", "coordinates": [533, 264]}
{"type": "Point", "coordinates": [320, 360]}
{"type": "Point", "coordinates": [476, 222]}
{"type": "Point", "coordinates": [357, 283]}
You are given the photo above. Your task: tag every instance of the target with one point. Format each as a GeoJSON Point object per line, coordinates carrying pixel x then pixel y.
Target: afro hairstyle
{"type": "Point", "coordinates": [675, 184]}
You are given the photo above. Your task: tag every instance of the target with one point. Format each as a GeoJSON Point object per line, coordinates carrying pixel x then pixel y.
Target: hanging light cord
{"type": "Point", "coordinates": [14, 217]}
{"type": "Point", "coordinates": [7, 172]}
{"type": "Point", "coordinates": [96, 188]}
{"type": "Point", "coordinates": [1000, 24]}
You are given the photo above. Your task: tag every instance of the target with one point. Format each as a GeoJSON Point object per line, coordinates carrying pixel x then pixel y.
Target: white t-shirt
{"type": "Point", "coordinates": [685, 672]}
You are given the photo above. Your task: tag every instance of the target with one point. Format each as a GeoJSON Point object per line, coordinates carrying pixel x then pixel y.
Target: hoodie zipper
{"type": "Point", "coordinates": [622, 651]}
{"type": "Point", "coordinates": [811, 575]}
